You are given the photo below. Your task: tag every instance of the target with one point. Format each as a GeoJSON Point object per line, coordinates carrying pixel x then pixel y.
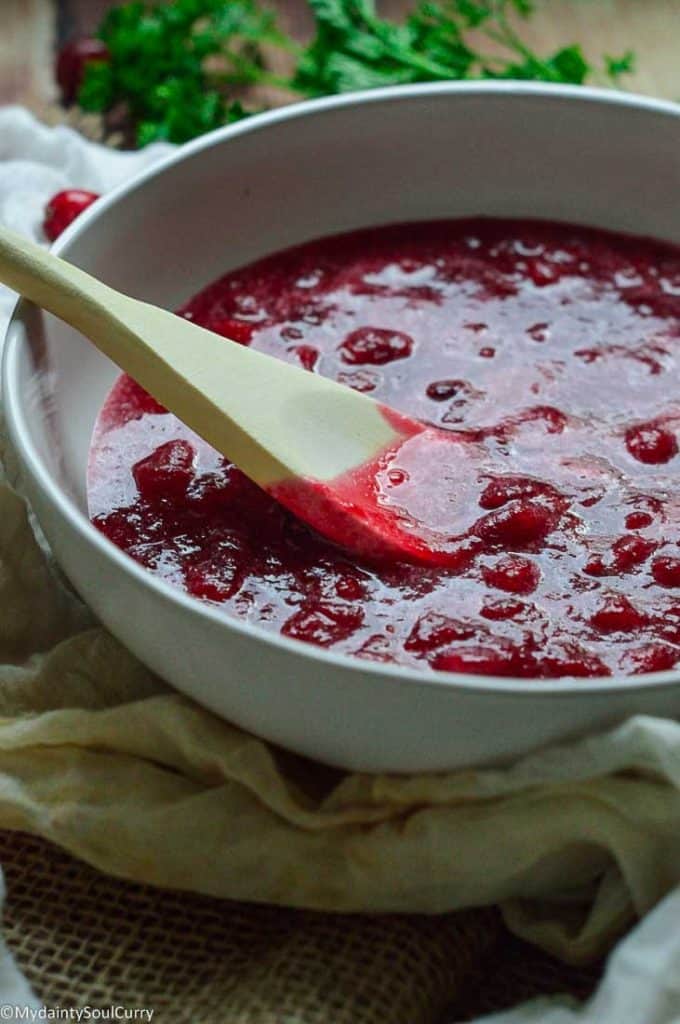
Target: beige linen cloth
{"type": "Point", "coordinates": [101, 758]}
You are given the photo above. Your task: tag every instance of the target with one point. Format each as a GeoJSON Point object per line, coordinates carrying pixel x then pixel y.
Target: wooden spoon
{"type": "Point", "coordinates": [313, 444]}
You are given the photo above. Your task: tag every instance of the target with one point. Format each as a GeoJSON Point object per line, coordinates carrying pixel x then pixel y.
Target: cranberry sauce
{"type": "Point", "coordinates": [548, 353]}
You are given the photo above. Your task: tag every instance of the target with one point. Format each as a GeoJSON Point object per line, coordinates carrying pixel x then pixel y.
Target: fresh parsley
{"type": "Point", "coordinates": [179, 69]}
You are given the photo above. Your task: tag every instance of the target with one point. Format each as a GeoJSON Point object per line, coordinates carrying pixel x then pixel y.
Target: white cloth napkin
{"type": "Point", "coordinates": [15, 992]}
{"type": "Point", "coordinates": [642, 985]}
{"type": "Point", "coordinates": [37, 161]}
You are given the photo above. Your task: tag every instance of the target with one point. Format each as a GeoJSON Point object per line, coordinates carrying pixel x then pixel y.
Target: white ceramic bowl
{"type": "Point", "coordinates": [308, 170]}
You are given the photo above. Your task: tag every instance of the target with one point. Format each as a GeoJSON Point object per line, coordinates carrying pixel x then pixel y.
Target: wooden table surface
{"type": "Point", "coordinates": [30, 30]}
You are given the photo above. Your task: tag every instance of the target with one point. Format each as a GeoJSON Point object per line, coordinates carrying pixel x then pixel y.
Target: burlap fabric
{"type": "Point", "coordinates": [83, 938]}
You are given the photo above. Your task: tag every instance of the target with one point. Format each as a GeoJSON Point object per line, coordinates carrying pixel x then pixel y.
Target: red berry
{"type": "Point", "coordinates": [71, 63]}
{"type": "Point", "coordinates": [631, 550]}
{"type": "Point", "coordinates": [638, 520]}
{"type": "Point", "coordinates": [666, 571]}
{"type": "Point", "coordinates": [442, 390]}
{"type": "Point", "coordinates": [651, 443]}
{"type": "Point", "coordinates": [653, 657]}
{"type": "Point", "coordinates": [516, 524]}
{"type": "Point", "coordinates": [554, 420]}
{"type": "Point", "coordinates": [376, 648]}
{"type": "Point", "coordinates": [482, 660]}
{"type": "Point", "coordinates": [498, 611]}
{"type": "Point", "coordinates": [596, 566]}
{"type": "Point", "coordinates": [63, 208]}
{"type": "Point", "coordinates": [512, 574]}
{"type": "Point", "coordinates": [308, 356]}
{"type": "Point", "coordinates": [349, 587]}
{"type": "Point", "coordinates": [617, 614]}
{"type": "Point", "coordinates": [502, 489]}
{"type": "Point", "coordinates": [566, 658]}
{"type": "Point", "coordinates": [120, 527]}
{"type": "Point", "coordinates": [375, 346]}
{"type": "Point", "coordinates": [167, 472]}
{"type": "Point", "coordinates": [322, 623]}
{"type": "Point", "coordinates": [220, 575]}
{"type": "Point", "coordinates": [433, 630]}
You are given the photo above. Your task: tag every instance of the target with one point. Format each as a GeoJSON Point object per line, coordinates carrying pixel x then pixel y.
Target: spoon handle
{"type": "Point", "coordinates": [53, 284]}
{"type": "Point", "coordinates": [108, 318]}
{"type": "Point", "coordinates": [273, 419]}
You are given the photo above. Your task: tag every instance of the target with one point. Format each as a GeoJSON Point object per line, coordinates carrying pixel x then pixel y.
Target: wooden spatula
{"type": "Point", "coordinates": [314, 444]}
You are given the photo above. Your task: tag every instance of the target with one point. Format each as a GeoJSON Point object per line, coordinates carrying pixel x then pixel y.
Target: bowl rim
{"type": "Point", "coordinates": [77, 520]}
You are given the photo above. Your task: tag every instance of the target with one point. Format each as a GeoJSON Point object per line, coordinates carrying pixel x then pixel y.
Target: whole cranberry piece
{"type": "Point", "coordinates": [442, 390]}
{"type": "Point", "coordinates": [616, 614]}
{"type": "Point", "coordinates": [513, 574]}
{"type": "Point", "coordinates": [218, 576]}
{"type": "Point", "coordinates": [631, 550]}
{"type": "Point", "coordinates": [63, 208]}
{"type": "Point", "coordinates": [375, 345]}
{"type": "Point", "coordinates": [567, 658]}
{"type": "Point", "coordinates": [597, 566]}
{"type": "Point", "coordinates": [433, 630]}
{"type": "Point", "coordinates": [652, 657]}
{"type": "Point", "coordinates": [518, 523]}
{"type": "Point", "coordinates": [167, 472]}
{"type": "Point", "coordinates": [638, 520]}
{"type": "Point", "coordinates": [666, 571]}
{"type": "Point", "coordinates": [482, 659]}
{"type": "Point", "coordinates": [323, 624]}
{"type": "Point", "coordinates": [506, 608]}
{"type": "Point", "coordinates": [502, 489]}
{"type": "Point", "coordinates": [651, 443]}
{"type": "Point", "coordinates": [71, 63]}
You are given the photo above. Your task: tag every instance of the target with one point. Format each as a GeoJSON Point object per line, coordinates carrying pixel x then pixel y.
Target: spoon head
{"type": "Point", "coordinates": [402, 505]}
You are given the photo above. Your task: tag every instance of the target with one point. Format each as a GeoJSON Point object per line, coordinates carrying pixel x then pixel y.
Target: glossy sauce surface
{"type": "Point", "coordinates": [549, 355]}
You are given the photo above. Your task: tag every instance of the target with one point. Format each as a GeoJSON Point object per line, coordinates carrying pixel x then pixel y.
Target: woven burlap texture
{"type": "Point", "coordinates": [84, 938]}
{"type": "Point", "coordinates": [87, 939]}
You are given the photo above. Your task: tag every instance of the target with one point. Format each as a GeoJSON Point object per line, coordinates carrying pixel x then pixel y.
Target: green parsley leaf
{"type": "Point", "coordinates": [618, 66]}
{"type": "Point", "coordinates": [179, 68]}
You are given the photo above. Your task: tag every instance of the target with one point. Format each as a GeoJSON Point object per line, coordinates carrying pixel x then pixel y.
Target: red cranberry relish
{"type": "Point", "coordinates": [550, 355]}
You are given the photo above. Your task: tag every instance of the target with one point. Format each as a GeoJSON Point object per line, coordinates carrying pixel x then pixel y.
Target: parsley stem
{"type": "Point", "coordinates": [506, 36]}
